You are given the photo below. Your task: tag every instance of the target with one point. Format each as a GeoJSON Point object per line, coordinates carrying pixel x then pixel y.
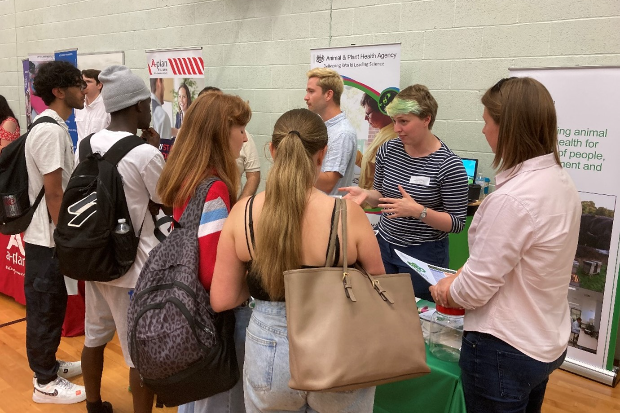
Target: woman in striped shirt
{"type": "Point", "coordinates": [421, 186]}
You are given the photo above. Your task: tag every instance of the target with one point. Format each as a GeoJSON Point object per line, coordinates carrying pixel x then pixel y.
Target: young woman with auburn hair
{"type": "Point", "coordinates": [286, 227]}
{"type": "Point", "coordinates": [208, 144]}
{"type": "Point", "coordinates": [522, 244]}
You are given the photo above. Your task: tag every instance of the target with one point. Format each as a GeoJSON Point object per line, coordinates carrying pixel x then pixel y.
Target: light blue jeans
{"type": "Point", "coordinates": [230, 401]}
{"type": "Point", "coordinates": [266, 371]}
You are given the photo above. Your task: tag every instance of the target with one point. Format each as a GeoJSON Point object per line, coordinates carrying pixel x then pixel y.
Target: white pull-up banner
{"type": "Point", "coordinates": [587, 102]}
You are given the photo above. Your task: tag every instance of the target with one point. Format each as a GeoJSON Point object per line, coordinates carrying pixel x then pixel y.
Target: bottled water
{"type": "Point", "coordinates": [122, 227]}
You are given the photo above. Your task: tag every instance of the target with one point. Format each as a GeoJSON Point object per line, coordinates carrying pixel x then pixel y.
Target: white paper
{"type": "Point", "coordinates": [430, 273]}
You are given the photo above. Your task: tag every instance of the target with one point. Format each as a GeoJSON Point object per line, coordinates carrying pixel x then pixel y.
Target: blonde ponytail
{"type": "Point", "coordinates": [298, 135]}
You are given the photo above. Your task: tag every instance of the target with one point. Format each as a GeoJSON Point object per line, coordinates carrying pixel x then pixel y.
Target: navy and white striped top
{"type": "Point", "coordinates": [446, 192]}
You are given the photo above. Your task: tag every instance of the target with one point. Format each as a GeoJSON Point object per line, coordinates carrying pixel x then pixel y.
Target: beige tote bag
{"type": "Point", "coordinates": [347, 329]}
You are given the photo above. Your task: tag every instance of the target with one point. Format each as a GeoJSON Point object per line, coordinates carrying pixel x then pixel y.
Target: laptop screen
{"type": "Point", "coordinates": [471, 167]}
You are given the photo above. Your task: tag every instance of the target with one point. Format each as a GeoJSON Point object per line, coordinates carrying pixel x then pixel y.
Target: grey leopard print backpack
{"type": "Point", "coordinates": [181, 348]}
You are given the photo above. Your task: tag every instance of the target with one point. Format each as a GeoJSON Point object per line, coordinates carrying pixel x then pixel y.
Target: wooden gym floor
{"type": "Point", "coordinates": [566, 392]}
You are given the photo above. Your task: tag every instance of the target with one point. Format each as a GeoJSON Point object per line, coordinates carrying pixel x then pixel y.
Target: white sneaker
{"type": "Point", "coordinates": [59, 391]}
{"type": "Point", "coordinates": [68, 369]}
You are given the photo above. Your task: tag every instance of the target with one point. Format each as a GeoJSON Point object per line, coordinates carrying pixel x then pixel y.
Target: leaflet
{"type": "Point", "coordinates": [430, 273]}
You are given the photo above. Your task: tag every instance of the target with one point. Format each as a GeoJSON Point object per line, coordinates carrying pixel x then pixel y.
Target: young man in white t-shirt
{"type": "Point", "coordinates": [128, 101]}
{"type": "Point", "coordinates": [49, 161]}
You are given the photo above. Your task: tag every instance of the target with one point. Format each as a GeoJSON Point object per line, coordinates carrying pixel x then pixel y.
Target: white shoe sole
{"type": "Point", "coordinates": [38, 397]}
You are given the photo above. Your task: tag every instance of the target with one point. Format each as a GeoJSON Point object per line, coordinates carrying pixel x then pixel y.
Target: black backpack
{"type": "Point", "coordinates": [87, 246]}
{"type": "Point", "coordinates": [181, 348]}
{"type": "Point", "coordinates": [16, 211]}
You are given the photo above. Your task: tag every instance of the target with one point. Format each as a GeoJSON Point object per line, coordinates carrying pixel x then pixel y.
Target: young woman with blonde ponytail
{"type": "Point", "coordinates": [286, 227]}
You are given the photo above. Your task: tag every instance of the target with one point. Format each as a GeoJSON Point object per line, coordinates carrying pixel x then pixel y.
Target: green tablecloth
{"type": "Point", "coordinates": [438, 392]}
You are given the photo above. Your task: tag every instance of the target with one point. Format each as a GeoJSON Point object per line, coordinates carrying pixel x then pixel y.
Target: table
{"type": "Point", "coordinates": [440, 391]}
{"type": "Point", "coordinates": [12, 261]}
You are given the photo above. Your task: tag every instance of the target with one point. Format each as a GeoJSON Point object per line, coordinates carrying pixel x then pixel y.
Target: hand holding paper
{"type": "Point", "coordinates": [430, 273]}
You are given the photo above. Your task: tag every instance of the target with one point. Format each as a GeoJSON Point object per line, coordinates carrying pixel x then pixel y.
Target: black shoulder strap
{"type": "Point", "coordinates": [250, 225]}
{"type": "Point", "coordinates": [42, 119]}
{"type": "Point", "coordinates": [85, 149]}
{"type": "Point", "coordinates": [122, 148]}
{"type": "Point", "coordinates": [196, 203]}
{"type": "Point", "coordinates": [38, 121]}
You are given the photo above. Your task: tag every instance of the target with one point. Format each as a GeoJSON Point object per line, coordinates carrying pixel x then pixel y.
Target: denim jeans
{"type": "Point", "coordinates": [498, 378]}
{"type": "Point", "coordinates": [433, 252]}
{"type": "Point", "coordinates": [230, 401]}
{"type": "Point", "coordinates": [46, 304]}
{"type": "Point", "coordinates": [266, 372]}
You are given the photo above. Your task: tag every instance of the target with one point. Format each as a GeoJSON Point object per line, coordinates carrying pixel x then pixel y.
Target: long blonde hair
{"type": "Point", "coordinates": [202, 148]}
{"type": "Point", "coordinates": [297, 136]}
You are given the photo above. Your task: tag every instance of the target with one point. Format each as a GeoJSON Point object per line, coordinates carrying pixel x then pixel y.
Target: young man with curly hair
{"type": "Point", "coordinates": [49, 161]}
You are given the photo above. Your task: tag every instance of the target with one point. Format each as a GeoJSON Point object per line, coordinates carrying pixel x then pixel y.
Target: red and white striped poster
{"type": "Point", "coordinates": [176, 78]}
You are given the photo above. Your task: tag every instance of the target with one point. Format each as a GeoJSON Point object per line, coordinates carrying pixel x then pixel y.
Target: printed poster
{"type": "Point", "coordinates": [372, 70]}
{"type": "Point", "coordinates": [36, 103]}
{"type": "Point", "coordinates": [589, 144]}
{"type": "Point", "coordinates": [176, 78]}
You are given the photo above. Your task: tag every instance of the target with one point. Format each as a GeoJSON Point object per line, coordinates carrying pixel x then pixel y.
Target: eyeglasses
{"type": "Point", "coordinates": [498, 86]}
{"type": "Point", "coordinates": [80, 84]}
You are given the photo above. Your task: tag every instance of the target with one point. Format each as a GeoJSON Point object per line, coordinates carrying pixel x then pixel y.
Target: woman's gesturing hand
{"type": "Point", "coordinates": [355, 194]}
{"type": "Point", "coordinates": [403, 207]}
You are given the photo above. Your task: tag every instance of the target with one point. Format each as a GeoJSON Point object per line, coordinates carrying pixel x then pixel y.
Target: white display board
{"type": "Point", "coordinates": [587, 102]}
{"type": "Point", "coordinates": [99, 61]}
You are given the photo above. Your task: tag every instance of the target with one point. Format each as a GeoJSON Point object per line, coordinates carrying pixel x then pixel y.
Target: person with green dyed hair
{"type": "Point", "coordinates": [420, 185]}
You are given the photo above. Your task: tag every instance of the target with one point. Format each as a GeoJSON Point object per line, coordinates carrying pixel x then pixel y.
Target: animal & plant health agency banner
{"type": "Point", "coordinates": [587, 103]}
{"type": "Point", "coordinates": [176, 78]}
{"type": "Point", "coordinates": [372, 70]}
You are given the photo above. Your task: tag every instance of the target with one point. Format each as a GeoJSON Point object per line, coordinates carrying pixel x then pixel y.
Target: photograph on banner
{"type": "Point", "coordinates": [99, 61]}
{"type": "Point", "coordinates": [36, 103]}
{"type": "Point", "coordinates": [371, 77]}
{"type": "Point", "coordinates": [589, 272]}
{"type": "Point", "coordinates": [589, 148]}
{"type": "Point", "coordinates": [176, 78]}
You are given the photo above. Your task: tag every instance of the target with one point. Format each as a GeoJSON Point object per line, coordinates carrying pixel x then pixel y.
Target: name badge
{"type": "Point", "coordinates": [420, 180]}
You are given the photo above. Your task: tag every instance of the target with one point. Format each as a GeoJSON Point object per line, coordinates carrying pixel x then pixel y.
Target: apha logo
{"type": "Point", "coordinates": [15, 256]}
{"type": "Point", "coordinates": [320, 58]}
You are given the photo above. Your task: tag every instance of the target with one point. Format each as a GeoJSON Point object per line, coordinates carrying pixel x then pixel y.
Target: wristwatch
{"type": "Point", "coordinates": [422, 214]}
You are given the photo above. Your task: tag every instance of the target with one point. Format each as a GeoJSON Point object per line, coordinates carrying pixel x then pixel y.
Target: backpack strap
{"type": "Point", "coordinates": [85, 149]}
{"type": "Point", "coordinates": [121, 148]}
{"type": "Point", "coordinates": [42, 119]}
{"type": "Point", "coordinates": [191, 216]}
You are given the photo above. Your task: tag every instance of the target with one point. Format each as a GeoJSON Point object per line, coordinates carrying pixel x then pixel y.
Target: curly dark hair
{"type": "Point", "coordinates": [55, 74]}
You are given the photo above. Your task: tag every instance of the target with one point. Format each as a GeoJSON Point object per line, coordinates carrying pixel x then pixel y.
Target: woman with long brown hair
{"type": "Point", "coordinates": [208, 144]}
{"type": "Point", "coordinates": [522, 244]}
{"type": "Point", "coordinates": [288, 227]}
